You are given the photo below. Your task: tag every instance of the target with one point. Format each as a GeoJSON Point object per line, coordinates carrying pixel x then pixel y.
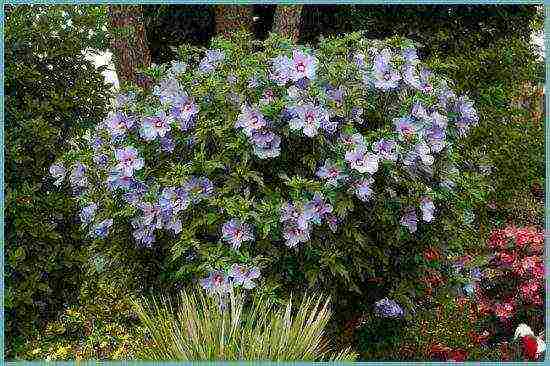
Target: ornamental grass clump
{"type": "Point", "coordinates": [227, 328]}
{"type": "Point", "coordinates": [313, 165]}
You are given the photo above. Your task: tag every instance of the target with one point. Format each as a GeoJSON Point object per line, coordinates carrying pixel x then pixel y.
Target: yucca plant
{"type": "Point", "coordinates": [205, 327]}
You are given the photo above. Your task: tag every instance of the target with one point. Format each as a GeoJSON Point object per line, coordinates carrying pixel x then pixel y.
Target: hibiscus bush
{"type": "Point", "coordinates": [312, 167]}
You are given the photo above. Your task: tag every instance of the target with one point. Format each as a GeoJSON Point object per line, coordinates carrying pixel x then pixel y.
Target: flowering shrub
{"type": "Point", "coordinates": [324, 162]}
{"type": "Point", "coordinates": [511, 284]}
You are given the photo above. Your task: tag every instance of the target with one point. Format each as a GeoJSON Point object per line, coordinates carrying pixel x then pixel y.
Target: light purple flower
{"type": "Point", "coordinates": [250, 120]}
{"type": "Point", "coordinates": [58, 172]}
{"type": "Point", "coordinates": [420, 81]}
{"type": "Point", "coordinates": [128, 160]}
{"type": "Point", "coordinates": [101, 160]}
{"type": "Point", "coordinates": [235, 232]}
{"type": "Point", "coordinates": [143, 234]}
{"type": "Point", "coordinates": [438, 120]}
{"type": "Point", "coordinates": [359, 59]}
{"type": "Point", "coordinates": [212, 60]}
{"type": "Point", "coordinates": [118, 124]}
{"type": "Point", "coordinates": [243, 276]}
{"type": "Point", "coordinates": [405, 127]}
{"type": "Point", "coordinates": [172, 201]}
{"type": "Point", "coordinates": [309, 118]}
{"type": "Point", "coordinates": [409, 219]}
{"type": "Point", "coordinates": [387, 149]}
{"type": "Point", "coordinates": [353, 141]}
{"type": "Point", "coordinates": [183, 111]}
{"type": "Point", "coordinates": [289, 212]}
{"type": "Point", "coordinates": [135, 193]}
{"type": "Point", "coordinates": [167, 143]}
{"type": "Point", "coordinates": [387, 308]}
{"type": "Point", "coordinates": [428, 209]}
{"type": "Point", "coordinates": [435, 136]}
{"type": "Point", "coordinates": [266, 144]}
{"type": "Point", "coordinates": [467, 115]}
{"type": "Point", "coordinates": [199, 188]}
{"type": "Point", "coordinates": [151, 214]}
{"type": "Point", "coordinates": [167, 90]}
{"type": "Point", "coordinates": [332, 221]}
{"type": "Point", "coordinates": [281, 70]}
{"type": "Point", "coordinates": [102, 229]}
{"type": "Point", "coordinates": [267, 97]}
{"type": "Point", "coordinates": [410, 55]}
{"type": "Point", "coordinates": [331, 172]}
{"type": "Point", "coordinates": [363, 190]}
{"type": "Point", "coordinates": [362, 161]}
{"type": "Point", "coordinates": [303, 66]}
{"type": "Point", "coordinates": [154, 126]}
{"type": "Point", "coordinates": [418, 111]}
{"type": "Point", "coordinates": [294, 235]}
{"type": "Point", "coordinates": [122, 100]}
{"type": "Point", "coordinates": [386, 77]}
{"type": "Point", "coordinates": [78, 176]}
{"type": "Point", "coordinates": [216, 283]}
{"type": "Point", "coordinates": [87, 213]}
{"type": "Point", "coordinates": [335, 94]}
{"type": "Point", "coordinates": [118, 179]}
{"type": "Point", "coordinates": [315, 209]}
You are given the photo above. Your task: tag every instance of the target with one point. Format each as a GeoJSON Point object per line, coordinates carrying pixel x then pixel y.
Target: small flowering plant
{"type": "Point", "coordinates": [249, 150]}
{"type": "Point", "coordinates": [512, 282]}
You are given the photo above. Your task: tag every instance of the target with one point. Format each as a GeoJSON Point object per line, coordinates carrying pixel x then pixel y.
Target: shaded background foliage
{"type": "Point", "coordinates": [53, 92]}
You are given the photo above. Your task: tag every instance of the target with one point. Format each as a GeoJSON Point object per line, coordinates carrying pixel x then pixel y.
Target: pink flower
{"type": "Point", "coordinates": [528, 290]}
{"type": "Point", "coordinates": [504, 310]}
{"type": "Point", "coordinates": [507, 259]}
{"type": "Point", "coordinates": [538, 270]}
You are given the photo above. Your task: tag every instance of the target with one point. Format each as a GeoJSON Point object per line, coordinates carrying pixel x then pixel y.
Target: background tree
{"type": "Point", "coordinates": [129, 41]}
{"type": "Point", "coordinates": [287, 20]}
{"type": "Point", "coordinates": [231, 18]}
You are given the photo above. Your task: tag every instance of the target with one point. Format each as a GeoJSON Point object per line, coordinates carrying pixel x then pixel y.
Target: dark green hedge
{"type": "Point", "coordinates": [51, 92]}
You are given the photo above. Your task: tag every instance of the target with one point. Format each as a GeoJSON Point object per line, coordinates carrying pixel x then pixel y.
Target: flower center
{"type": "Point", "coordinates": [310, 118]}
{"type": "Point", "coordinates": [300, 67]}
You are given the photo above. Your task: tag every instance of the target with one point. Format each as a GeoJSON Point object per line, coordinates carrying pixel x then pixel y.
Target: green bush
{"type": "Point", "coordinates": [107, 329]}
{"type": "Point", "coordinates": [369, 240]}
{"type": "Point", "coordinates": [51, 92]}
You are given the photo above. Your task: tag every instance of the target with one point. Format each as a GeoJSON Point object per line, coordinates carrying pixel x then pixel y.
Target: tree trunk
{"type": "Point", "coordinates": [129, 42]}
{"type": "Point", "coordinates": [287, 21]}
{"type": "Point", "coordinates": [232, 18]}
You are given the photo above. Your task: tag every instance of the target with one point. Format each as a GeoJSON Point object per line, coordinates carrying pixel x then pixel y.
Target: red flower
{"type": "Point", "coordinates": [497, 240]}
{"type": "Point", "coordinates": [478, 339]}
{"type": "Point", "coordinates": [538, 271]}
{"type": "Point", "coordinates": [523, 237]}
{"type": "Point", "coordinates": [439, 352]}
{"type": "Point", "coordinates": [506, 258]}
{"type": "Point", "coordinates": [431, 254]}
{"type": "Point", "coordinates": [458, 355]}
{"type": "Point", "coordinates": [530, 346]}
{"type": "Point", "coordinates": [529, 290]}
{"type": "Point", "coordinates": [504, 311]}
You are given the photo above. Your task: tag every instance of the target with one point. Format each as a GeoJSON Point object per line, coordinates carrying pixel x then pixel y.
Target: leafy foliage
{"type": "Point", "coordinates": [51, 92]}
{"type": "Point", "coordinates": [199, 137]}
